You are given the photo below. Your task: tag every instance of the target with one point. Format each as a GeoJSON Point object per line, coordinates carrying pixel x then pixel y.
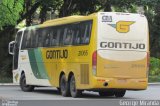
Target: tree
{"type": "Point", "coordinates": [154, 23]}
{"type": "Point", "coordinates": [10, 12]}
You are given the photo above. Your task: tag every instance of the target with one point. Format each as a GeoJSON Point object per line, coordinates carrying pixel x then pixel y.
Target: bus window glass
{"type": "Point", "coordinates": [85, 32]}
{"type": "Point", "coordinates": [33, 38]}
{"type": "Point", "coordinates": [53, 37]}
{"type": "Point", "coordinates": [60, 35]}
{"type": "Point", "coordinates": [76, 39]}
{"type": "Point", "coordinates": [46, 37]}
{"type": "Point", "coordinates": [64, 35]}
{"type": "Point", "coordinates": [16, 49]}
{"type": "Point", "coordinates": [36, 38]}
{"type": "Point", "coordinates": [24, 40]}
{"type": "Point", "coordinates": [28, 39]}
{"type": "Point", "coordinates": [40, 37]}
{"type": "Point", "coordinates": [68, 35]}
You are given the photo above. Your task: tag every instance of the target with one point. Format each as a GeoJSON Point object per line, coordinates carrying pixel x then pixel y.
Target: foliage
{"type": "Point", "coordinates": [10, 12]}
{"type": "Point", "coordinates": [5, 58]}
{"type": "Point", "coordinates": [152, 12]}
{"type": "Point", "coordinates": [154, 72]}
{"type": "Point", "coordinates": [154, 67]}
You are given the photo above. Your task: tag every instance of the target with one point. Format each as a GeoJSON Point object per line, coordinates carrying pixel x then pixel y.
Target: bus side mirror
{"type": "Point", "coordinates": [11, 47]}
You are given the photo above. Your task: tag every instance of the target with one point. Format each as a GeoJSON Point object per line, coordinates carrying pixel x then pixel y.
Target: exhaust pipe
{"type": "Point", "coordinates": [105, 84]}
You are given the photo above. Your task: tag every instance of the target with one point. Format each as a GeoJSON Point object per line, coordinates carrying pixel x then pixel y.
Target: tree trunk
{"type": "Point", "coordinates": [29, 12]}
{"type": "Point", "coordinates": [29, 17]}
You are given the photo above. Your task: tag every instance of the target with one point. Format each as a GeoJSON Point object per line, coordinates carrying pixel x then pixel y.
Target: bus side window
{"type": "Point", "coordinates": [47, 40]}
{"type": "Point", "coordinates": [88, 34]}
{"type": "Point", "coordinates": [24, 41]}
{"type": "Point", "coordinates": [85, 32]}
{"type": "Point", "coordinates": [76, 40]}
{"type": "Point", "coordinates": [68, 35]}
{"type": "Point", "coordinates": [53, 37]}
{"type": "Point", "coordinates": [64, 35]}
{"type": "Point", "coordinates": [28, 39]}
{"type": "Point", "coordinates": [46, 37]}
{"type": "Point", "coordinates": [33, 38]}
{"type": "Point", "coordinates": [36, 38]}
{"type": "Point", "coordinates": [40, 41]}
{"type": "Point", "coordinates": [60, 35]}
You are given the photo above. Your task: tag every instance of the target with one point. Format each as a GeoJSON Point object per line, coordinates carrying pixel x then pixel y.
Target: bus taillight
{"type": "Point", "coordinates": [94, 62]}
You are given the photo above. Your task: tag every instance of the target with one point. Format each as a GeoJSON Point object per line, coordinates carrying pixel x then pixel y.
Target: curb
{"type": "Point", "coordinates": [8, 84]}
{"type": "Point", "coordinates": [156, 83]}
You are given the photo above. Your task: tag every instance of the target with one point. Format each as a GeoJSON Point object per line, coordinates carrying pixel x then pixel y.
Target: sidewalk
{"type": "Point", "coordinates": [10, 84]}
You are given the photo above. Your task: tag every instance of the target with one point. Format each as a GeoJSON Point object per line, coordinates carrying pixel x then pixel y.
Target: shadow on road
{"type": "Point", "coordinates": [86, 94]}
{"type": "Point", "coordinates": [47, 91]}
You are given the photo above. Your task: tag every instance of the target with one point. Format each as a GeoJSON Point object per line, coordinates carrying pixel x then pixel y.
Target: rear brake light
{"type": "Point", "coordinates": [94, 62]}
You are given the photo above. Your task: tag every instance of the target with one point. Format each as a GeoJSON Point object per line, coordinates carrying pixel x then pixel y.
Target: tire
{"type": "Point", "coordinates": [74, 92]}
{"type": "Point", "coordinates": [24, 87]}
{"type": "Point", "coordinates": [64, 88]}
{"type": "Point", "coordinates": [106, 93]}
{"type": "Point", "coordinates": [59, 90]}
{"type": "Point", "coordinates": [120, 93]}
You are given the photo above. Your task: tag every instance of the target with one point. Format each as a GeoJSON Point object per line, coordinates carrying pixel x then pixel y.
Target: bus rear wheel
{"type": "Point", "coordinates": [120, 93]}
{"type": "Point", "coordinates": [24, 86]}
{"type": "Point", "coordinates": [64, 88]}
{"type": "Point", "coordinates": [74, 92]}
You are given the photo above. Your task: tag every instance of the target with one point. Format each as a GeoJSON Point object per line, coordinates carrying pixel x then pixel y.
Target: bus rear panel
{"type": "Point", "coordinates": [122, 51]}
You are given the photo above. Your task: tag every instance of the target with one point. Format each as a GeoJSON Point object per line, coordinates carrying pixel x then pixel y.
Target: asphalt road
{"type": "Point", "coordinates": [43, 94]}
{"type": "Point", "coordinates": [49, 93]}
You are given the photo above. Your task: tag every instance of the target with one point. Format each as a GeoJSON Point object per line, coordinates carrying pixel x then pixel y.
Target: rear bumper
{"type": "Point", "coordinates": [117, 83]}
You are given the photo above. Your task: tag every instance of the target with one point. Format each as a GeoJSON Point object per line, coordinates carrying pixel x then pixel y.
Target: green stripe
{"type": "Point", "coordinates": [33, 63]}
{"type": "Point", "coordinates": [40, 64]}
{"type": "Point", "coordinates": [37, 64]}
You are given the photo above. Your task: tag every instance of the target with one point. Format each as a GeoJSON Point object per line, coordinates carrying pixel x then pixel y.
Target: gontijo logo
{"type": "Point", "coordinates": [122, 26]}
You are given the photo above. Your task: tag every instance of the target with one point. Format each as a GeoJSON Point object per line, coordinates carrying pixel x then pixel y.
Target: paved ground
{"type": "Point", "coordinates": [48, 93]}
{"type": "Point", "coordinates": [11, 95]}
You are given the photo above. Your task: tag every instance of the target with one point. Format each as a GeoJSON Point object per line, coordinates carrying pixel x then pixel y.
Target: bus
{"type": "Point", "coordinates": [105, 52]}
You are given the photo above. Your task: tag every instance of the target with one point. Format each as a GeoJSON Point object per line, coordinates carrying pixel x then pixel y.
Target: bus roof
{"type": "Point", "coordinates": [66, 20]}
{"type": "Point", "coordinates": [70, 19]}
